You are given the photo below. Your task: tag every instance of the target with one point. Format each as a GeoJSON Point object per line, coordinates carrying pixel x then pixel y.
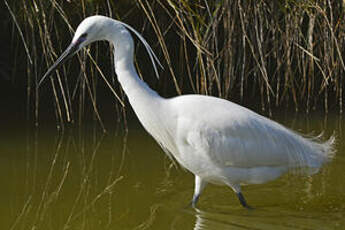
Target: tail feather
{"type": "Point", "coordinates": [326, 148]}
{"type": "Point", "coordinates": [321, 152]}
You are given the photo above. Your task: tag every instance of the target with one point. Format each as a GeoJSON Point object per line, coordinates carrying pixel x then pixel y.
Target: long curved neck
{"type": "Point", "coordinates": [137, 90]}
{"type": "Point", "coordinates": [150, 108]}
{"type": "Point", "coordinates": [145, 102]}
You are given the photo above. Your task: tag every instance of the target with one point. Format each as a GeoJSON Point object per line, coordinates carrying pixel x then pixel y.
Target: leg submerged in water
{"type": "Point", "coordinates": [199, 187]}
{"type": "Point", "coordinates": [243, 201]}
{"type": "Point", "coordinates": [237, 189]}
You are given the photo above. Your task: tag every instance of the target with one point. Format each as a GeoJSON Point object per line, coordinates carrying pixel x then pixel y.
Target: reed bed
{"type": "Point", "coordinates": [269, 54]}
{"type": "Point", "coordinates": [287, 53]}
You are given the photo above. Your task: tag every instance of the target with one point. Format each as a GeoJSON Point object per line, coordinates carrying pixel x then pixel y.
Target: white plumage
{"type": "Point", "coordinates": [217, 140]}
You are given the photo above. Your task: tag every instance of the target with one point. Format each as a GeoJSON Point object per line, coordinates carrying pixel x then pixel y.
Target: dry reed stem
{"type": "Point", "coordinates": [232, 49]}
{"type": "Point", "coordinates": [152, 19]}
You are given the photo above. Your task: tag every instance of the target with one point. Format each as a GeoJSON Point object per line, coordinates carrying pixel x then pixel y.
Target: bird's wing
{"type": "Point", "coordinates": [230, 135]}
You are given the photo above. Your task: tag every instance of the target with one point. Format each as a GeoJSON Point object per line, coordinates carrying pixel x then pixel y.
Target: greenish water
{"type": "Point", "coordinates": [86, 180]}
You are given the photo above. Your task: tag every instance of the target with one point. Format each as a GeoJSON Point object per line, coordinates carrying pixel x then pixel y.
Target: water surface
{"type": "Point", "coordinates": [82, 179]}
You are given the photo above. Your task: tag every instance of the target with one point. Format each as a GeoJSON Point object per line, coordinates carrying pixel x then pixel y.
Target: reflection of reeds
{"type": "Point", "coordinates": [68, 177]}
{"type": "Point", "coordinates": [281, 53]}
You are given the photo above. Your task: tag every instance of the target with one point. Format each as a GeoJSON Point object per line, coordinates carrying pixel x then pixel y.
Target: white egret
{"type": "Point", "coordinates": [218, 141]}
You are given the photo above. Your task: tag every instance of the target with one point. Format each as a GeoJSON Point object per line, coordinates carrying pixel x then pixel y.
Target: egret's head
{"type": "Point", "coordinates": [92, 29]}
{"type": "Point", "coordinates": [97, 28]}
{"type": "Point", "coordinates": [89, 30]}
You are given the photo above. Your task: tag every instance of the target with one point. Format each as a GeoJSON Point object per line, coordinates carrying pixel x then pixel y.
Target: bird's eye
{"type": "Point", "coordinates": [84, 35]}
{"type": "Point", "coordinates": [81, 38]}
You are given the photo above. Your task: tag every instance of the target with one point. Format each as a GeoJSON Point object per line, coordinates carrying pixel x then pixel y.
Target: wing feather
{"type": "Point", "coordinates": [230, 135]}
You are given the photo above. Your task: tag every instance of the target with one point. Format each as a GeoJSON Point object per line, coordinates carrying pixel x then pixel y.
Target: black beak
{"type": "Point", "coordinates": [69, 52]}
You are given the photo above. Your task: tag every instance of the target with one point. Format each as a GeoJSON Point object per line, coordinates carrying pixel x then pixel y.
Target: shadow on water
{"type": "Point", "coordinates": [83, 179]}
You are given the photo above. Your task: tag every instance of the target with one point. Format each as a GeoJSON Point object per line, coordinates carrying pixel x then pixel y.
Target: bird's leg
{"type": "Point", "coordinates": [237, 190]}
{"type": "Point", "coordinates": [194, 200]}
{"type": "Point", "coordinates": [199, 187]}
{"type": "Point", "coordinates": [242, 200]}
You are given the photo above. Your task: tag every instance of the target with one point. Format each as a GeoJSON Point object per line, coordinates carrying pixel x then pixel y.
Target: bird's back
{"type": "Point", "coordinates": [230, 135]}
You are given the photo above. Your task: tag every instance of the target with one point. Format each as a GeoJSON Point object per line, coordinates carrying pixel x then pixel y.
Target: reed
{"type": "Point", "coordinates": [287, 53]}
{"type": "Point", "coordinates": [268, 54]}
{"type": "Point", "coordinates": [45, 27]}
